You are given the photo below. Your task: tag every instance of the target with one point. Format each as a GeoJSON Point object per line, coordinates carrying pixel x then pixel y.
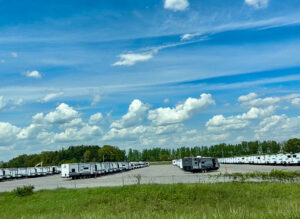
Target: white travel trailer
{"type": "Point", "coordinates": [6, 173]}
{"type": "Point", "coordinates": [124, 166]}
{"type": "Point", "coordinates": [279, 159]}
{"type": "Point", "coordinates": [23, 172]}
{"type": "Point", "coordinates": [115, 167]}
{"type": "Point", "coordinates": [31, 172]}
{"type": "Point", "coordinates": [296, 159]}
{"type": "Point", "coordinates": [107, 167]}
{"type": "Point", "coordinates": [75, 170]}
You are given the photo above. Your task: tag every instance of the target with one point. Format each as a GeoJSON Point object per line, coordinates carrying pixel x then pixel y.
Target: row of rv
{"type": "Point", "coordinates": [82, 170]}
{"type": "Point", "coordinates": [275, 159]}
{"type": "Point", "coordinates": [15, 173]}
{"type": "Point", "coordinates": [197, 164]}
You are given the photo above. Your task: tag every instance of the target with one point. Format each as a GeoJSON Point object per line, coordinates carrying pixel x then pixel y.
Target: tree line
{"type": "Point", "coordinates": [94, 153]}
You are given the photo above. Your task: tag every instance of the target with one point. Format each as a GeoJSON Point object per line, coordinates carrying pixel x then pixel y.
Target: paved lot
{"type": "Point", "coordinates": [165, 174]}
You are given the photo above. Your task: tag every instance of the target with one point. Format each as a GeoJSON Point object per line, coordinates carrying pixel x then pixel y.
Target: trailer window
{"type": "Point", "coordinates": [85, 168]}
{"type": "Point", "coordinates": [73, 170]}
{"type": "Point", "coordinates": [294, 155]}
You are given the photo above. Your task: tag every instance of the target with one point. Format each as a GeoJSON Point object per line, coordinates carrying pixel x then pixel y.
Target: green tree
{"type": "Point", "coordinates": [87, 156]}
{"type": "Point", "coordinates": [292, 146]}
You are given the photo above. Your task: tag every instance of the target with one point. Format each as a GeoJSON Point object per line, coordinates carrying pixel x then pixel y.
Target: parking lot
{"type": "Point", "coordinates": [163, 174]}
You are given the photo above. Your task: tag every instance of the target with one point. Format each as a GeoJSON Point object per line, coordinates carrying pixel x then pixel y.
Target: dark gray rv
{"type": "Point", "coordinates": [200, 164]}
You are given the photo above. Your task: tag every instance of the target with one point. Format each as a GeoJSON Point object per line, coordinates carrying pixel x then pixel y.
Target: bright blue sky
{"type": "Point", "coordinates": [147, 73]}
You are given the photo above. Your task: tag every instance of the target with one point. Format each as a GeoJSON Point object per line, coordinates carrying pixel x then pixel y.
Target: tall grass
{"type": "Point", "coordinates": [221, 200]}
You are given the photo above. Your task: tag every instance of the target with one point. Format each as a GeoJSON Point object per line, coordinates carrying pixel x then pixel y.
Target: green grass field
{"type": "Point", "coordinates": [221, 200]}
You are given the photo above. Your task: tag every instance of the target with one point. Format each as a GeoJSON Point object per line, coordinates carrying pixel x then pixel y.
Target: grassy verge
{"type": "Point", "coordinates": [221, 200]}
{"type": "Point", "coordinates": [161, 163]}
{"type": "Point", "coordinates": [274, 175]}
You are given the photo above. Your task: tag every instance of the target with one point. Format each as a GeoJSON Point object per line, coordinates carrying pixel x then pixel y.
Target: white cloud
{"type": "Point", "coordinates": [135, 115]}
{"type": "Point", "coordinates": [74, 123]}
{"type": "Point", "coordinates": [251, 100]}
{"type": "Point", "coordinates": [8, 133]}
{"type": "Point", "coordinates": [258, 4]}
{"type": "Point", "coordinates": [166, 100]}
{"type": "Point", "coordinates": [140, 133]}
{"type": "Point", "coordinates": [182, 112]}
{"type": "Point", "coordinates": [73, 134]}
{"type": "Point", "coordinates": [2, 103]}
{"type": "Point", "coordinates": [2, 61]}
{"type": "Point", "coordinates": [186, 36]}
{"type": "Point", "coordinates": [33, 74]}
{"type": "Point", "coordinates": [96, 99]}
{"type": "Point", "coordinates": [278, 127]}
{"type": "Point", "coordinates": [247, 97]}
{"type": "Point", "coordinates": [255, 113]}
{"type": "Point", "coordinates": [296, 101]}
{"type": "Point", "coordinates": [29, 132]}
{"type": "Point", "coordinates": [130, 59]}
{"type": "Point", "coordinates": [95, 118]}
{"type": "Point", "coordinates": [14, 54]}
{"type": "Point", "coordinates": [176, 5]}
{"type": "Point", "coordinates": [62, 114]}
{"type": "Point", "coordinates": [51, 96]}
{"type": "Point", "coordinates": [220, 123]}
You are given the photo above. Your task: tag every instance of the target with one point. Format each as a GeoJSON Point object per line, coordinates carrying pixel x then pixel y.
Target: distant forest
{"type": "Point", "coordinates": [110, 153]}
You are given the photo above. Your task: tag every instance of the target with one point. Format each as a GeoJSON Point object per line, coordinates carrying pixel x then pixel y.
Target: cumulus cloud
{"type": "Point", "coordinates": [8, 133]}
{"type": "Point", "coordinates": [220, 123]}
{"type": "Point", "coordinates": [296, 102]}
{"type": "Point", "coordinates": [65, 118]}
{"type": "Point", "coordinates": [182, 112]}
{"type": "Point", "coordinates": [51, 96]}
{"type": "Point", "coordinates": [33, 74]}
{"type": "Point", "coordinates": [251, 100]}
{"type": "Point", "coordinates": [247, 97]}
{"type": "Point", "coordinates": [135, 115]}
{"type": "Point", "coordinates": [130, 59]}
{"type": "Point", "coordinates": [82, 134]}
{"type": "Point", "coordinates": [62, 114]}
{"type": "Point", "coordinates": [257, 4]}
{"type": "Point", "coordinates": [141, 132]}
{"type": "Point", "coordinates": [29, 132]}
{"type": "Point", "coordinates": [95, 118]}
{"type": "Point", "coordinates": [278, 127]}
{"type": "Point", "coordinates": [176, 5]}
{"type": "Point", "coordinates": [2, 103]}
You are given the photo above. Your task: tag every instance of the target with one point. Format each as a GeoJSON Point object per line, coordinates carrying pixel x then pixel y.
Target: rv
{"type": "Point", "coordinates": [200, 164]}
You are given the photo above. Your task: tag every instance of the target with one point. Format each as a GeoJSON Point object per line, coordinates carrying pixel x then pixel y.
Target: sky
{"type": "Point", "coordinates": [152, 73]}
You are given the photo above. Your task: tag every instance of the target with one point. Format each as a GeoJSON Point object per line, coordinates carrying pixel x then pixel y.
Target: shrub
{"type": "Point", "coordinates": [23, 191]}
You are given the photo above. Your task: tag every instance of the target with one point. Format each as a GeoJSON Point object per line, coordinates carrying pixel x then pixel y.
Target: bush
{"type": "Point", "coordinates": [23, 191]}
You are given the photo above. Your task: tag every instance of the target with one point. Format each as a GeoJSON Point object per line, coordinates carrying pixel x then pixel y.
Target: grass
{"type": "Point", "coordinates": [221, 200]}
{"type": "Point", "coordinates": [274, 175]}
{"type": "Point", "coordinates": [161, 163]}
